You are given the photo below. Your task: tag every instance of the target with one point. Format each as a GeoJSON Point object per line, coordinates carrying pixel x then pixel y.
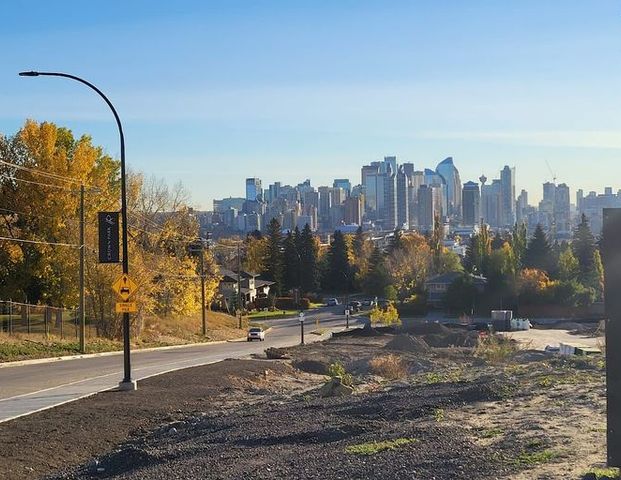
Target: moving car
{"type": "Point", "coordinates": [332, 302]}
{"type": "Point", "coordinates": [255, 333]}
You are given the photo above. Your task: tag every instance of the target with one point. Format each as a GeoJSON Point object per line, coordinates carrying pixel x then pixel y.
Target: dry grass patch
{"type": "Point", "coordinates": [389, 366]}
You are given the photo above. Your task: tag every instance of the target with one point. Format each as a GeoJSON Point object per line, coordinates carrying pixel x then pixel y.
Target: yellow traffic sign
{"type": "Point", "coordinates": [124, 287]}
{"type": "Point", "coordinates": [126, 307]}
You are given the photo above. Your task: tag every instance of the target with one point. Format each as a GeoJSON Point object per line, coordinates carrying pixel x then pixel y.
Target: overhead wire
{"type": "Point", "coordinates": [43, 173]}
{"type": "Point", "coordinates": [40, 242]}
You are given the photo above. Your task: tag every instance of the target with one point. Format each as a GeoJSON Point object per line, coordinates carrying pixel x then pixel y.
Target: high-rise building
{"type": "Point", "coordinates": [507, 193]}
{"type": "Point", "coordinates": [562, 211]}
{"type": "Point", "coordinates": [471, 198]}
{"type": "Point", "coordinates": [491, 202]}
{"type": "Point", "coordinates": [521, 210]}
{"type": "Point", "coordinates": [429, 206]}
{"type": "Point", "coordinates": [254, 192]}
{"type": "Point", "coordinates": [403, 198]}
{"type": "Point", "coordinates": [450, 176]}
{"type": "Point", "coordinates": [343, 183]}
{"type": "Point", "coordinates": [369, 184]}
{"type": "Point", "coordinates": [352, 211]}
{"type": "Point", "coordinates": [325, 204]}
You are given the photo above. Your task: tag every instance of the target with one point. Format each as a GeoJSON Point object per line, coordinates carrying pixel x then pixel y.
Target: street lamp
{"type": "Point", "coordinates": [127, 383]}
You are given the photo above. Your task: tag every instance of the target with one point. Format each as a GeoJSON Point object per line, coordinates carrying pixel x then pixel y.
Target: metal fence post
{"type": "Point", "coordinates": [10, 317]}
{"type": "Point", "coordinates": [28, 318]}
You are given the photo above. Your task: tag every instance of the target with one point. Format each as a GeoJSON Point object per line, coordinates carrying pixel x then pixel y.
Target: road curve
{"type": "Point", "coordinates": [26, 389]}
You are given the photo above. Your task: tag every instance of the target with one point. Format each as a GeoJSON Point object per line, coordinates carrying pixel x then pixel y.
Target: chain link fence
{"type": "Point", "coordinates": [26, 319]}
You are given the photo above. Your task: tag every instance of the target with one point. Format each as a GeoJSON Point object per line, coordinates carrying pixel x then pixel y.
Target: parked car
{"type": "Point", "coordinates": [368, 302]}
{"type": "Point", "coordinates": [332, 302]}
{"type": "Point", "coordinates": [353, 307]}
{"type": "Point", "coordinates": [255, 333]}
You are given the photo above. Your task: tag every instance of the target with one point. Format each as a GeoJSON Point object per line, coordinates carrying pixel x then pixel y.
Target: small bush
{"type": "Point", "coordinates": [387, 316]}
{"type": "Point", "coordinates": [495, 349]}
{"type": "Point", "coordinates": [389, 366]}
{"type": "Point", "coordinates": [337, 369]}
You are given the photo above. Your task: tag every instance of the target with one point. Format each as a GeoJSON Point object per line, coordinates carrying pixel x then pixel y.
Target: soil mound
{"type": "Point", "coordinates": [452, 339]}
{"type": "Point", "coordinates": [407, 343]}
{"type": "Point", "coordinates": [426, 329]}
{"type": "Point", "coordinates": [312, 366]}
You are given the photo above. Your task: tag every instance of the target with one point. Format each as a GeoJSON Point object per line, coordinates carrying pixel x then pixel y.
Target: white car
{"type": "Point", "coordinates": [332, 302]}
{"type": "Point", "coordinates": [255, 333]}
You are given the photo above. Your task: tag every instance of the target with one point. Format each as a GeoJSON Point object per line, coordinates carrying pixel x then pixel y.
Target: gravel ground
{"type": "Point", "coordinates": [453, 415]}
{"type": "Point", "coordinates": [307, 437]}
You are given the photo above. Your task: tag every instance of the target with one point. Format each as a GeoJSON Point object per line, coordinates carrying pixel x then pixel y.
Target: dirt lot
{"type": "Point", "coordinates": [456, 412]}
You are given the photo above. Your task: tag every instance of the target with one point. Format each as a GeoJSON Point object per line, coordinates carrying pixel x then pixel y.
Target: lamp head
{"type": "Point", "coordinates": [29, 74]}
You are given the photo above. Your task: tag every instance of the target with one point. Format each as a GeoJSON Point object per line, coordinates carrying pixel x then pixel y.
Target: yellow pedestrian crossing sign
{"type": "Point", "coordinates": [124, 287]}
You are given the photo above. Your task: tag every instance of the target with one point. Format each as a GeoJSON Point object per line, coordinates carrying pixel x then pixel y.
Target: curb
{"type": "Point", "coordinates": [36, 361]}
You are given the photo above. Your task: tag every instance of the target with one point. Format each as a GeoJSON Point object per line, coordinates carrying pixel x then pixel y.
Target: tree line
{"type": "Point", "coordinates": [349, 263]}
{"type": "Point", "coordinates": [41, 170]}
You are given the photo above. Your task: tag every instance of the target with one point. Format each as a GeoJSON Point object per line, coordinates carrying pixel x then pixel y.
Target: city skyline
{"type": "Point", "coordinates": [318, 88]}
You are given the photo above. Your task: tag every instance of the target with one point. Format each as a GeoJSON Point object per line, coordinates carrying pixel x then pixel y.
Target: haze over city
{"type": "Point", "coordinates": [287, 91]}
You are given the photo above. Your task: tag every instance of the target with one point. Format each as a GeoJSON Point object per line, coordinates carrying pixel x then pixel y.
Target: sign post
{"type": "Point", "coordinates": [301, 315]}
{"type": "Point", "coordinates": [347, 318]}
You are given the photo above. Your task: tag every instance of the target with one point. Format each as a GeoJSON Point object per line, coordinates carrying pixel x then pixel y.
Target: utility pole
{"type": "Point", "coordinates": [82, 253]}
{"type": "Point", "coordinates": [239, 294]}
{"type": "Point", "coordinates": [199, 247]}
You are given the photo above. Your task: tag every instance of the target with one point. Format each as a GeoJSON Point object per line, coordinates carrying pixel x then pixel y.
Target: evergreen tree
{"type": "Point", "coordinates": [377, 278]}
{"type": "Point", "coordinates": [338, 274]}
{"type": "Point", "coordinates": [291, 278]}
{"type": "Point", "coordinates": [274, 263]}
{"type": "Point", "coordinates": [519, 242]}
{"type": "Point", "coordinates": [538, 252]}
{"type": "Point", "coordinates": [583, 246]}
{"type": "Point", "coordinates": [308, 257]}
{"type": "Point", "coordinates": [497, 242]}
{"type": "Point", "coordinates": [358, 243]}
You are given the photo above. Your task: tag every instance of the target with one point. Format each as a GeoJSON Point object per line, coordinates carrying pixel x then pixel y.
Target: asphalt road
{"type": "Point", "coordinates": [25, 389]}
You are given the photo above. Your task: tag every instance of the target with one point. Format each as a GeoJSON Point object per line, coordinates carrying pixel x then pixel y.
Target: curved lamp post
{"type": "Point", "coordinates": [127, 383]}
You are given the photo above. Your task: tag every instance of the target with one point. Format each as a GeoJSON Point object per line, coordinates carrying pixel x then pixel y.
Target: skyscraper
{"type": "Point", "coordinates": [429, 205]}
{"type": "Point", "coordinates": [471, 198]}
{"type": "Point", "coordinates": [507, 194]}
{"type": "Point", "coordinates": [403, 198]}
{"type": "Point", "coordinates": [343, 183]}
{"type": "Point", "coordinates": [521, 211]}
{"type": "Point", "coordinates": [450, 175]}
{"type": "Point", "coordinates": [562, 211]}
{"type": "Point", "coordinates": [254, 192]}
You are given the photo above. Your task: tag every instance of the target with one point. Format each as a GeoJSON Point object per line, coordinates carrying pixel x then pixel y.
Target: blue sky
{"type": "Point", "coordinates": [213, 92]}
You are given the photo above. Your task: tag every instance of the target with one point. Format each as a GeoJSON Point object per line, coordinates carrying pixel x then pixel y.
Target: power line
{"type": "Point", "coordinates": [60, 187]}
{"type": "Point", "coordinates": [42, 173]}
{"type": "Point", "coordinates": [40, 242]}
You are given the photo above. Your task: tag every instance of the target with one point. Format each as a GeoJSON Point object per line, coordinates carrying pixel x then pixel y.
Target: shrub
{"type": "Point", "coordinates": [337, 369]}
{"type": "Point", "coordinates": [262, 302]}
{"type": "Point", "coordinates": [387, 316]}
{"type": "Point", "coordinates": [389, 366]}
{"type": "Point", "coordinates": [495, 349]}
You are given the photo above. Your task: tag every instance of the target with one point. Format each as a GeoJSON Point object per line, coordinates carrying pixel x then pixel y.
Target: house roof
{"type": "Point", "coordinates": [262, 283]}
{"type": "Point", "coordinates": [225, 272]}
{"type": "Point", "coordinates": [450, 277]}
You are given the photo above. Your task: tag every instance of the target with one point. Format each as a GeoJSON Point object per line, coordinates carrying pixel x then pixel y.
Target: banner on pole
{"type": "Point", "coordinates": [108, 237]}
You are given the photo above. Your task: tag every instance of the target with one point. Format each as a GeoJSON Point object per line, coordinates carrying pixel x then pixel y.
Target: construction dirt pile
{"type": "Point", "coordinates": [407, 343]}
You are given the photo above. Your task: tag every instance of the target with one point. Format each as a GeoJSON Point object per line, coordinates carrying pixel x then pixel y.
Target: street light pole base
{"type": "Point", "coordinates": [128, 386]}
